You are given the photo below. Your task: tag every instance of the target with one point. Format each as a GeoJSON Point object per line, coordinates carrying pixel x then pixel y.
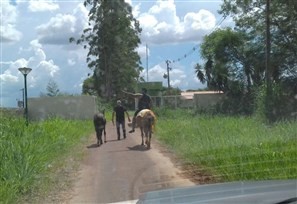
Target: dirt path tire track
{"type": "Point", "coordinates": [123, 170]}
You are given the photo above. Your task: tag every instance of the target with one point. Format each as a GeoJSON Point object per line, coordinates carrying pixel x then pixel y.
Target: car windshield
{"type": "Point", "coordinates": [106, 101]}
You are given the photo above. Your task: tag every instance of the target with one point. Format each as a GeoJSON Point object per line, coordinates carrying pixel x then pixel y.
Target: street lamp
{"type": "Point", "coordinates": [25, 71]}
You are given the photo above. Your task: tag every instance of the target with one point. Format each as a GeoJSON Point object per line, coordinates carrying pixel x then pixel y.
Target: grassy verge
{"type": "Point", "coordinates": [30, 154]}
{"type": "Point", "coordinates": [231, 148]}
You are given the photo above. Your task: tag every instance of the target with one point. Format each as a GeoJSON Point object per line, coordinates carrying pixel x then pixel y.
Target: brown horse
{"type": "Point", "coordinates": [99, 124]}
{"type": "Point", "coordinates": [146, 120]}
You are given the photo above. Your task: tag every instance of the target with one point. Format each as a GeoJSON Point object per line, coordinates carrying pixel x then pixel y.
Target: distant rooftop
{"type": "Point", "coordinates": [190, 94]}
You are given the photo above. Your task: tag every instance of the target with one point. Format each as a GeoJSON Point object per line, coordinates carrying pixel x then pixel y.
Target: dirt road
{"type": "Point", "coordinates": [122, 170]}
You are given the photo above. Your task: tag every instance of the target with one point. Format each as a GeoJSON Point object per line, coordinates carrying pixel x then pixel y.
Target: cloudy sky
{"type": "Point", "coordinates": [35, 34]}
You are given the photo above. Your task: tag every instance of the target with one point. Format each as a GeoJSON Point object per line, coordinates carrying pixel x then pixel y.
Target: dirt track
{"type": "Point", "coordinates": [122, 170]}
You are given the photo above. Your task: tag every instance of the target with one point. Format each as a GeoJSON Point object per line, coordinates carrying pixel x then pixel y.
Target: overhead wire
{"type": "Point", "coordinates": [197, 46]}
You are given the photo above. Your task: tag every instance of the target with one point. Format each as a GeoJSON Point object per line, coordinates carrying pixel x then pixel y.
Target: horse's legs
{"type": "Point", "coordinates": [124, 129]}
{"type": "Point", "coordinates": [99, 136]}
{"type": "Point", "coordinates": [149, 139]}
{"type": "Point", "coordinates": [104, 135]}
{"type": "Point", "coordinates": [118, 132]}
{"type": "Point", "coordinates": [141, 130]}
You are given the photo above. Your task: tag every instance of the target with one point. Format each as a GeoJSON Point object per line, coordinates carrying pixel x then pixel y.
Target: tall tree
{"type": "Point", "coordinates": [225, 60]}
{"type": "Point", "coordinates": [112, 39]}
{"type": "Point", "coordinates": [249, 17]}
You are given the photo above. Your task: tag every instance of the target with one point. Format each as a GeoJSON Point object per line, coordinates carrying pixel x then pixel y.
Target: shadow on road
{"type": "Point", "coordinates": [93, 146]}
{"type": "Point", "coordinates": [138, 148]}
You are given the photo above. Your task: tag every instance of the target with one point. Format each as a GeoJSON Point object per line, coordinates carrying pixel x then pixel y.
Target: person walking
{"type": "Point", "coordinates": [145, 102]}
{"type": "Point", "coordinates": [119, 112]}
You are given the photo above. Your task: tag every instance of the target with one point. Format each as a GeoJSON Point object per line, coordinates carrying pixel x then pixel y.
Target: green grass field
{"type": "Point", "coordinates": [231, 148]}
{"type": "Point", "coordinates": [30, 154]}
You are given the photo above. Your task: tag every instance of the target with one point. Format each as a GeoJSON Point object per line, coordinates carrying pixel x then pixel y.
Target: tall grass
{"type": "Point", "coordinates": [231, 148]}
{"type": "Point", "coordinates": [29, 153]}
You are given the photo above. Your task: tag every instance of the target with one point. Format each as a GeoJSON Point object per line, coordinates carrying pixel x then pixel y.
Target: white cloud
{"type": "Point", "coordinates": [161, 24]}
{"type": "Point", "coordinates": [71, 62]}
{"type": "Point", "coordinates": [202, 20]}
{"type": "Point", "coordinates": [63, 26]}
{"type": "Point", "coordinates": [41, 5]}
{"type": "Point", "coordinates": [48, 67]}
{"type": "Point", "coordinates": [42, 70]}
{"type": "Point", "coordinates": [8, 77]}
{"type": "Point", "coordinates": [179, 78]}
{"type": "Point", "coordinates": [8, 19]}
{"type": "Point", "coordinates": [136, 10]}
{"type": "Point", "coordinates": [58, 30]}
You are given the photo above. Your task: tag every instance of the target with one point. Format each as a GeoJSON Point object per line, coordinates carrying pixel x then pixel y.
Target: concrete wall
{"type": "Point", "coordinates": [68, 107]}
{"type": "Point", "coordinates": [204, 101]}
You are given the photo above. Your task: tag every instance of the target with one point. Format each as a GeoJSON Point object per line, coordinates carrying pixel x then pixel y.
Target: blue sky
{"type": "Point", "coordinates": [35, 33]}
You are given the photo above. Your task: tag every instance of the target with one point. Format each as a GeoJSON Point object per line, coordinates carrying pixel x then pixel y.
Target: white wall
{"type": "Point", "coordinates": [68, 107]}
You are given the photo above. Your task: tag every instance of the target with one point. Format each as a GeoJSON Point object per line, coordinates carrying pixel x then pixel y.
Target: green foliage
{"type": "Point", "coordinates": [52, 88]}
{"type": "Point", "coordinates": [224, 61]}
{"type": "Point", "coordinates": [89, 87]}
{"type": "Point", "coordinates": [231, 148]}
{"type": "Point", "coordinates": [278, 106]}
{"type": "Point", "coordinates": [111, 39]}
{"type": "Point", "coordinates": [235, 59]}
{"type": "Point", "coordinates": [30, 153]}
{"type": "Point", "coordinates": [171, 91]}
{"type": "Point", "coordinates": [250, 18]}
{"type": "Point", "coordinates": [105, 106]}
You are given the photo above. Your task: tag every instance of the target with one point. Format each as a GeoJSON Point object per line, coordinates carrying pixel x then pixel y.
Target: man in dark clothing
{"type": "Point", "coordinates": [145, 102]}
{"type": "Point", "coordinates": [119, 111]}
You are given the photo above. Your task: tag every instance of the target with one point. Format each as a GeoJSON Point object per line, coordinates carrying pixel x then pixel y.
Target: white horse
{"type": "Point", "coordinates": [146, 120]}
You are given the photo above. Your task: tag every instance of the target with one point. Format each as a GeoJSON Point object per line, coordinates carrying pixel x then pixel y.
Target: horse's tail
{"type": "Point", "coordinates": [151, 121]}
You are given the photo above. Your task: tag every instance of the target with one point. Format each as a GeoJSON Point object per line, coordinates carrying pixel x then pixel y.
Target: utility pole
{"type": "Point", "coordinates": [268, 102]}
{"type": "Point", "coordinates": [268, 47]}
{"type": "Point", "coordinates": [147, 79]}
{"type": "Point", "coordinates": [168, 69]}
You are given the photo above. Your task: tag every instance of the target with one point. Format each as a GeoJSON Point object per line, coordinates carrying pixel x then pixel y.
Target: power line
{"type": "Point", "coordinates": [166, 76]}
{"type": "Point", "coordinates": [197, 46]}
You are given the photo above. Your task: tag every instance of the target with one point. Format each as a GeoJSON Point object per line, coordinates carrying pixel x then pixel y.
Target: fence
{"type": "Point", "coordinates": [69, 107]}
{"type": "Point", "coordinates": [84, 107]}
{"type": "Point", "coordinates": [201, 101]}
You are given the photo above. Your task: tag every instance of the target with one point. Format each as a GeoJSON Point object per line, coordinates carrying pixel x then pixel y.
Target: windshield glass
{"type": "Point", "coordinates": [141, 96]}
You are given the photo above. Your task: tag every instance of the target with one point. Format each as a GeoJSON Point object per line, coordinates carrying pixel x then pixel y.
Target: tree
{"type": "Point", "coordinates": [112, 38]}
{"type": "Point", "coordinates": [230, 66]}
{"type": "Point", "coordinates": [52, 88]}
{"type": "Point", "coordinates": [224, 58]}
{"type": "Point", "coordinates": [249, 17]}
{"type": "Point", "coordinates": [88, 86]}
{"type": "Point", "coordinates": [236, 60]}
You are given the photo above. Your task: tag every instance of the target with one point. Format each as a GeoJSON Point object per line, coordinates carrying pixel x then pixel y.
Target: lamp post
{"type": "Point", "coordinates": [25, 71]}
{"type": "Point", "coordinates": [23, 91]}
